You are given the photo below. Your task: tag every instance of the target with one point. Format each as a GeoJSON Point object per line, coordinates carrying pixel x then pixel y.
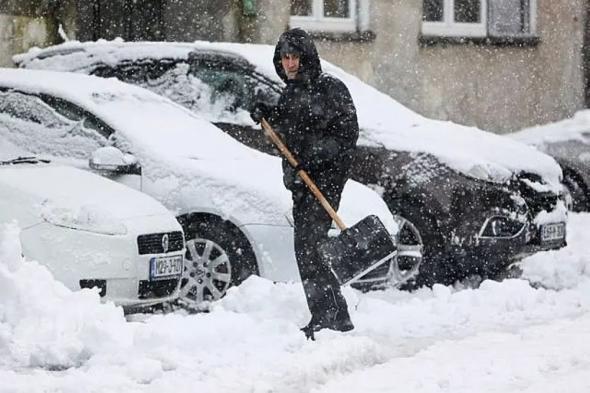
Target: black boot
{"type": "Point", "coordinates": [341, 323]}
{"type": "Point", "coordinates": [309, 331]}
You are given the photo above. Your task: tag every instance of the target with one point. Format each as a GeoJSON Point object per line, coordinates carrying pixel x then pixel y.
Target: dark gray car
{"type": "Point", "coordinates": [480, 201]}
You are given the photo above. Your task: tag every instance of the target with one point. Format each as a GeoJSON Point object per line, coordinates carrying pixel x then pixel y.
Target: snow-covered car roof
{"type": "Point", "coordinates": [383, 120]}
{"type": "Point", "coordinates": [576, 128]}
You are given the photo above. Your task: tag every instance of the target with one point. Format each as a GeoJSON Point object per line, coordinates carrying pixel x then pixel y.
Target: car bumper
{"type": "Point", "coordinates": [82, 259]}
{"type": "Point", "coordinates": [492, 255]}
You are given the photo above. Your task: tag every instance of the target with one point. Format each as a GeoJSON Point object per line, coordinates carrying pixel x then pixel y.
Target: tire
{"type": "Point", "coordinates": [576, 190]}
{"type": "Point", "coordinates": [218, 256]}
{"type": "Point", "coordinates": [434, 265]}
{"type": "Point", "coordinates": [410, 251]}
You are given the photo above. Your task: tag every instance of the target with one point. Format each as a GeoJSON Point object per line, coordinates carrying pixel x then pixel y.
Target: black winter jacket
{"type": "Point", "coordinates": [315, 115]}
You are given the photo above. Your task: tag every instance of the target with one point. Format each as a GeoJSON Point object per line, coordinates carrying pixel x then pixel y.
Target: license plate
{"type": "Point", "coordinates": [552, 232]}
{"type": "Point", "coordinates": [165, 267]}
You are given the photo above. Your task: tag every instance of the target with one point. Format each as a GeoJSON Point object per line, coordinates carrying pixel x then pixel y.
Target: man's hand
{"type": "Point", "coordinates": [290, 178]}
{"type": "Point", "coordinates": [260, 111]}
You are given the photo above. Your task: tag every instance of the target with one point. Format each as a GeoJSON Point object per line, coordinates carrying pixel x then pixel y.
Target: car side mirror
{"type": "Point", "coordinates": [110, 159]}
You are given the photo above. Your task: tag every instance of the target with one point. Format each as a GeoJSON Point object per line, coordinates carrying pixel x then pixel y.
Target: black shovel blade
{"type": "Point", "coordinates": [358, 249]}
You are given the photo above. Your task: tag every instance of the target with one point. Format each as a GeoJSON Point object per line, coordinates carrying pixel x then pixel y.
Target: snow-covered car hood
{"type": "Point", "coordinates": [576, 128]}
{"type": "Point", "coordinates": [383, 120]}
{"type": "Point", "coordinates": [65, 195]}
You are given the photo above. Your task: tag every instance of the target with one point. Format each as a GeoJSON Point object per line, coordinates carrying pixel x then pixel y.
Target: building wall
{"type": "Point", "coordinates": [28, 23]}
{"type": "Point", "coordinates": [500, 88]}
{"type": "Point", "coordinates": [18, 33]}
{"type": "Point", "coordinates": [189, 20]}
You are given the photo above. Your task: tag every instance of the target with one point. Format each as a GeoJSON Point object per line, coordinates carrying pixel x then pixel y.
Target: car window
{"type": "Point", "coordinates": [28, 121]}
{"type": "Point", "coordinates": [24, 107]}
{"type": "Point", "coordinates": [77, 114]}
{"type": "Point", "coordinates": [232, 84]}
{"type": "Point", "coordinates": [227, 87]}
{"type": "Point", "coordinates": [136, 72]}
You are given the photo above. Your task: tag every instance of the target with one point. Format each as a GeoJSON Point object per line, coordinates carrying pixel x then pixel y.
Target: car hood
{"type": "Point", "coordinates": [65, 193]}
{"type": "Point", "coordinates": [469, 150]}
{"type": "Point", "coordinates": [250, 191]}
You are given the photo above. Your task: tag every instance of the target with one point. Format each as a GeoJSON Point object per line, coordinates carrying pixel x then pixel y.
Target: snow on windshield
{"type": "Point", "coordinates": [27, 121]}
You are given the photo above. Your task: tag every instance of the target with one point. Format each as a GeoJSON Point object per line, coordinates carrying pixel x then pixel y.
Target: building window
{"type": "Point", "coordinates": [479, 18]}
{"type": "Point", "coordinates": [338, 16]}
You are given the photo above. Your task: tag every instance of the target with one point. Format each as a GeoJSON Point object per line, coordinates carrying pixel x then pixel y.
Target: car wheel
{"type": "Point", "coordinates": [218, 256]}
{"type": "Point", "coordinates": [577, 198]}
{"type": "Point", "coordinates": [410, 250]}
{"type": "Point", "coordinates": [434, 264]}
{"type": "Point", "coordinates": [403, 267]}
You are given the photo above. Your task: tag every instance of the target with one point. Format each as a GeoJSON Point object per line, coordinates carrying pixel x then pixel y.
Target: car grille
{"type": "Point", "coordinates": [157, 289]}
{"type": "Point", "coordinates": [153, 244]}
{"type": "Point", "coordinates": [92, 283]}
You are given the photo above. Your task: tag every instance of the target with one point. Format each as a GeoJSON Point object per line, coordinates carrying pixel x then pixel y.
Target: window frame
{"type": "Point", "coordinates": [317, 22]}
{"type": "Point", "coordinates": [450, 29]}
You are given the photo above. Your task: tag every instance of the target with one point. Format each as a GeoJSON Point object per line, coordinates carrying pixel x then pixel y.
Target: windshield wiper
{"type": "Point", "coordinates": [24, 160]}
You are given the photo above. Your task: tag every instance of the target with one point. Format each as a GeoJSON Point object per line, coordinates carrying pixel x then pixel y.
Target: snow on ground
{"type": "Point", "coordinates": [501, 337]}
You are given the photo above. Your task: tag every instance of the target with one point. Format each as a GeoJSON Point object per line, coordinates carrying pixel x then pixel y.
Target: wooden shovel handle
{"type": "Point", "coordinates": [276, 139]}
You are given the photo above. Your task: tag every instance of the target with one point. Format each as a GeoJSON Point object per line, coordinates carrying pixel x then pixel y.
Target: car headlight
{"type": "Point", "coordinates": [84, 218]}
{"type": "Point", "coordinates": [501, 227]}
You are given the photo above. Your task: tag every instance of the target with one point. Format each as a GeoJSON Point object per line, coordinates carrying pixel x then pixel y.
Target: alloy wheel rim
{"type": "Point", "coordinates": [407, 254]}
{"type": "Point", "coordinates": [207, 272]}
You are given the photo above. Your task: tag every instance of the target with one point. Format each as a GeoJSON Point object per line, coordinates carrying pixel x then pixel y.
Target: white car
{"type": "Point", "coordinates": [229, 198]}
{"type": "Point", "coordinates": [92, 232]}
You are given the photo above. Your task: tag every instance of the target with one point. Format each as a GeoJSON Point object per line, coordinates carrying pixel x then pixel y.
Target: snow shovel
{"type": "Point", "coordinates": [356, 250]}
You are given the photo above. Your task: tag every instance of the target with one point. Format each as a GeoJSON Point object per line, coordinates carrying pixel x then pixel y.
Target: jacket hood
{"type": "Point", "coordinates": [310, 67]}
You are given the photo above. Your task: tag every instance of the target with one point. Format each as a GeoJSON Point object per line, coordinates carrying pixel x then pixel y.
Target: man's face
{"type": "Point", "coordinates": [290, 64]}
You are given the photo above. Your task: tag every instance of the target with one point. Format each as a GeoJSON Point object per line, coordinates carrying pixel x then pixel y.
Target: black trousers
{"type": "Point", "coordinates": [312, 222]}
